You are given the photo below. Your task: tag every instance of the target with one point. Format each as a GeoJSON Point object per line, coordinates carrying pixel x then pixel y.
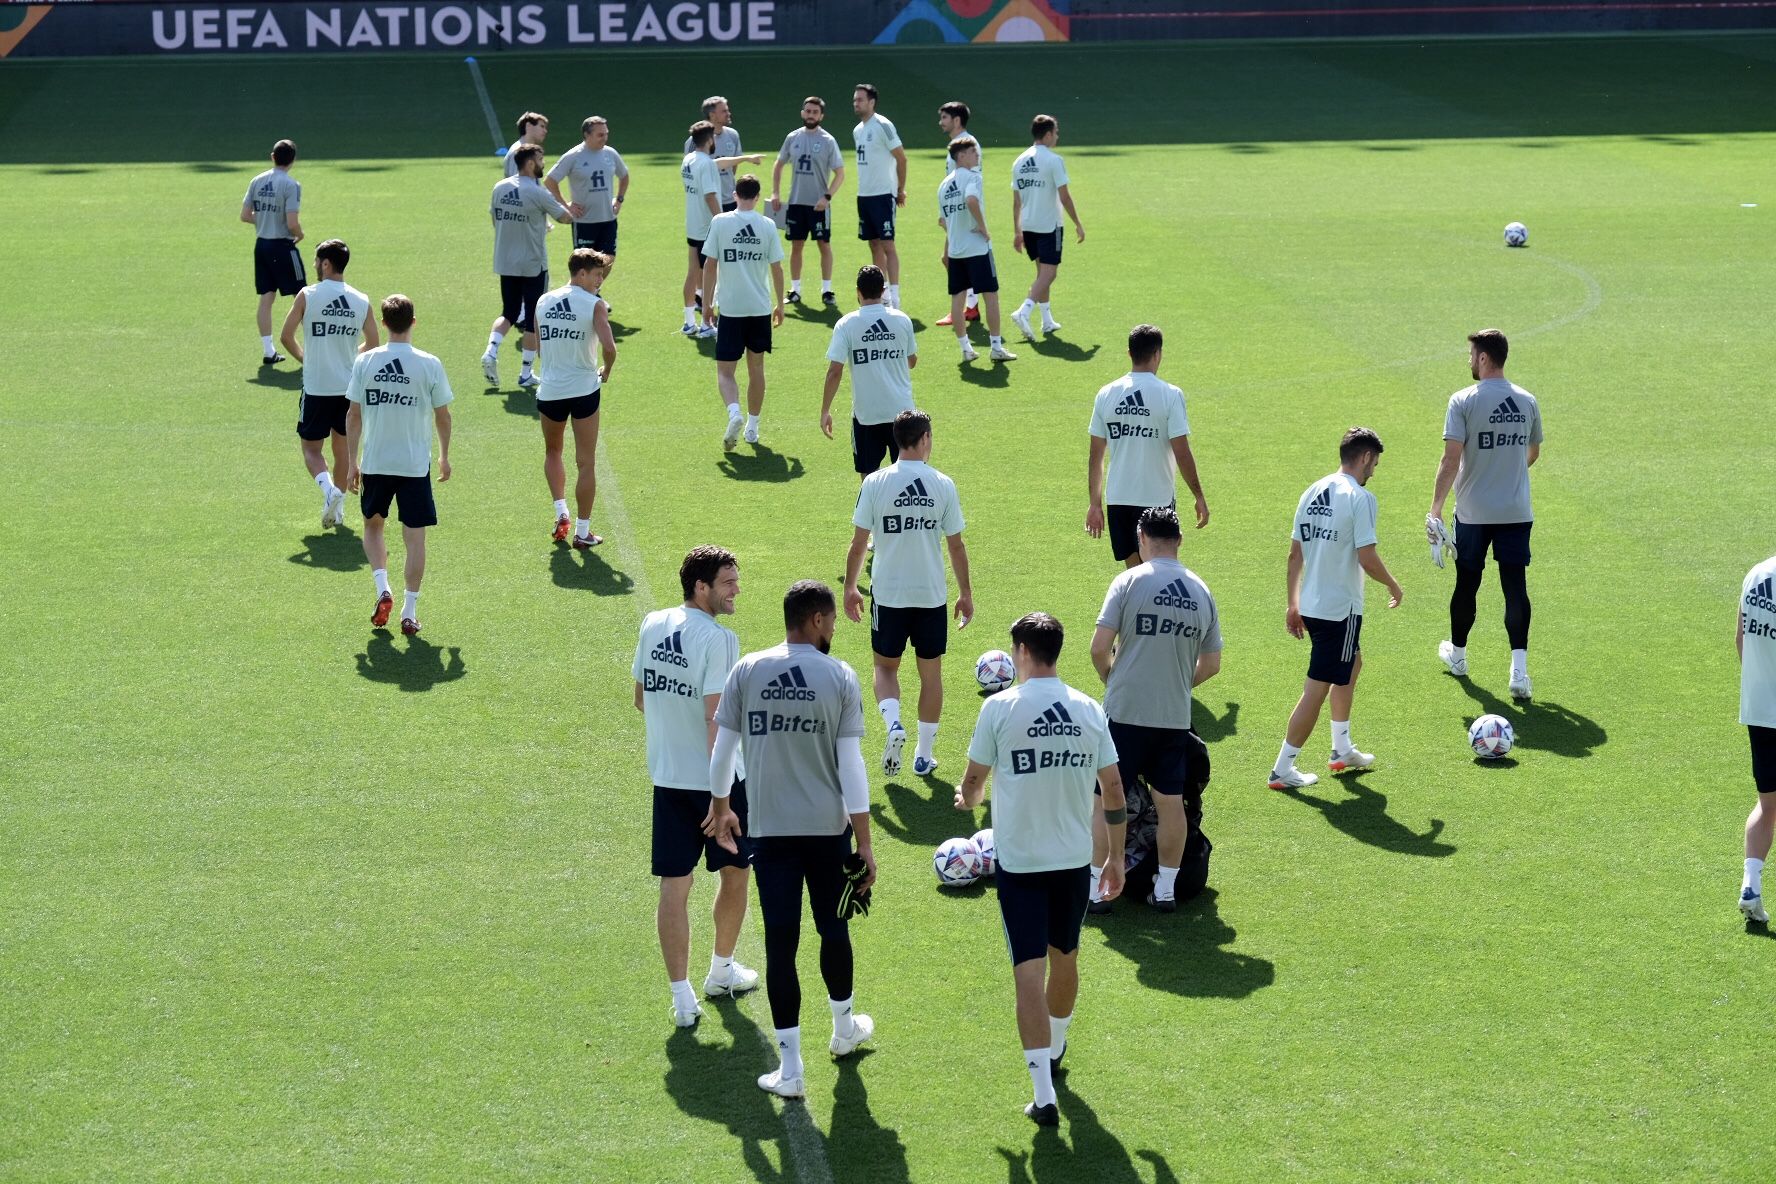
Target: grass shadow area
{"type": "Point", "coordinates": [1050, 346]}
{"type": "Point", "coordinates": [332, 550]}
{"type": "Point", "coordinates": [1088, 1151]}
{"type": "Point", "coordinates": [923, 819]}
{"type": "Point", "coordinates": [992, 376]}
{"type": "Point", "coordinates": [1212, 727]}
{"type": "Point", "coordinates": [1186, 952]}
{"type": "Point", "coordinates": [275, 379]}
{"type": "Point", "coordinates": [1364, 817]}
{"type": "Point", "coordinates": [519, 402]}
{"type": "Point", "coordinates": [1539, 725]}
{"type": "Point", "coordinates": [761, 464]}
{"type": "Point", "coordinates": [813, 312]}
{"type": "Point", "coordinates": [419, 667]}
{"type": "Point", "coordinates": [588, 572]}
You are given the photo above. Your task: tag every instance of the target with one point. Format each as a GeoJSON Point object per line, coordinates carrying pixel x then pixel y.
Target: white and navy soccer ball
{"type": "Point", "coordinates": [994, 671]}
{"type": "Point", "coordinates": [958, 863]}
{"type": "Point", "coordinates": [983, 842]}
{"type": "Point", "coordinates": [1491, 737]}
{"type": "Point", "coordinates": [1516, 235]}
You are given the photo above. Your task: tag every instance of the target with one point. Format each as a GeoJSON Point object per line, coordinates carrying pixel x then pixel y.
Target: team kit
{"type": "Point", "coordinates": [756, 758]}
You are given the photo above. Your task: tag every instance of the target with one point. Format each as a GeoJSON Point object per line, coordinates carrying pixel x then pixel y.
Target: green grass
{"type": "Point", "coordinates": [286, 900]}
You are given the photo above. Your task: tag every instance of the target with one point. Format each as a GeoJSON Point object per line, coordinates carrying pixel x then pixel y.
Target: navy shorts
{"type": "Point", "coordinates": [1763, 758]}
{"type": "Point", "coordinates": [277, 267]}
{"type": "Point", "coordinates": [1335, 648]}
{"type": "Point", "coordinates": [976, 272]}
{"type": "Point", "coordinates": [1043, 247]}
{"type": "Point", "coordinates": [579, 407]}
{"type": "Point", "coordinates": [1160, 756]}
{"type": "Point", "coordinates": [729, 207]}
{"type": "Point", "coordinates": [1509, 542]}
{"type": "Point", "coordinates": [411, 495]}
{"type": "Point", "coordinates": [1122, 524]}
{"type": "Point", "coordinates": [696, 244]}
{"type": "Point", "coordinates": [735, 336]}
{"type": "Point", "coordinates": [678, 832]}
{"type": "Point", "coordinates": [806, 222]}
{"type": "Point", "coordinates": [875, 217]}
{"type": "Point", "coordinates": [781, 864]}
{"type": "Point", "coordinates": [518, 298]}
{"type": "Point", "coordinates": [318, 416]}
{"type": "Point", "coordinates": [892, 628]}
{"type": "Point", "coordinates": [869, 443]}
{"type": "Point", "coordinates": [1042, 910]}
{"type": "Point", "coordinates": [600, 236]}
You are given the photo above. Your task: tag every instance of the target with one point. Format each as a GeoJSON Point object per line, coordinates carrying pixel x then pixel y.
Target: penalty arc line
{"type": "Point", "coordinates": [493, 128]}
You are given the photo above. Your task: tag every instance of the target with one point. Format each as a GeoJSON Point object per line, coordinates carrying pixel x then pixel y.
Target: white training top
{"type": "Point", "coordinates": [1139, 415]}
{"type": "Point", "coordinates": [683, 655]}
{"type": "Point", "coordinates": [744, 244]}
{"type": "Point", "coordinates": [964, 239]}
{"type": "Point", "coordinates": [876, 141]}
{"type": "Point", "coordinates": [876, 342]}
{"type": "Point", "coordinates": [1334, 518]}
{"type": "Point", "coordinates": [1757, 672]}
{"type": "Point", "coordinates": [700, 177]}
{"type": "Point", "coordinates": [1037, 175]}
{"type": "Point", "coordinates": [399, 388]}
{"type": "Point", "coordinates": [334, 317]}
{"type": "Point", "coordinates": [566, 333]}
{"type": "Point", "coordinates": [912, 508]}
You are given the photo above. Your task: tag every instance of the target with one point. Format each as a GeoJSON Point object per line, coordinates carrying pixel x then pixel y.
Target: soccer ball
{"type": "Point", "coordinates": [1516, 235]}
{"type": "Point", "coordinates": [958, 863]}
{"type": "Point", "coordinates": [983, 842]}
{"type": "Point", "coordinates": [994, 671]}
{"type": "Point", "coordinates": [1491, 737]}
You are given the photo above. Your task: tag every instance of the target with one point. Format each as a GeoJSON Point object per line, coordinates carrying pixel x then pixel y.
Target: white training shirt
{"type": "Point", "coordinates": [683, 655]}
{"type": "Point", "coordinates": [1334, 518]}
{"type": "Point", "coordinates": [876, 341]}
{"type": "Point", "coordinates": [700, 177]}
{"type": "Point", "coordinates": [1139, 415]}
{"type": "Point", "coordinates": [912, 508]}
{"type": "Point", "coordinates": [566, 334]}
{"type": "Point", "coordinates": [1037, 175]}
{"type": "Point", "coordinates": [399, 387]}
{"type": "Point", "coordinates": [333, 319]}
{"type": "Point", "coordinates": [1757, 671]}
{"type": "Point", "coordinates": [876, 140]}
{"type": "Point", "coordinates": [965, 241]}
{"type": "Point", "coordinates": [744, 244]}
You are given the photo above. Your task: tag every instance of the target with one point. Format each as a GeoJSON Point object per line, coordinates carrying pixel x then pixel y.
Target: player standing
{"type": "Point", "coordinates": [952, 120]}
{"type": "Point", "coordinates": [572, 317]}
{"type": "Point", "coordinates": [877, 342]}
{"type": "Point", "coordinates": [681, 664]}
{"type": "Point", "coordinates": [1047, 746]}
{"type": "Point", "coordinates": [907, 506]}
{"type": "Point", "coordinates": [1492, 434]}
{"type": "Point", "coordinates": [701, 173]}
{"type": "Point", "coordinates": [397, 393]}
{"type": "Point", "coordinates": [589, 168]}
{"type": "Point", "coordinates": [798, 713]}
{"type": "Point", "coordinates": [532, 129]}
{"type": "Point", "coordinates": [1158, 635]}
{"type": "Point", "coordinates": [272, 207]}
{"type": "Point", "coordinates": [727, 145]}
{"type": "Point", "coordinates": [1331, 547]}
{"type": "Point", "coordinates": [819, 173]}
{"type": "Point", "coordinates": [744, 247]}
{"type": "Point", "coordinates": [968, 248]}
{"type": "Point", "coordinates": [520, 208]}
{"type": "Point", "coordinates": [340, 316]}
{"type": "Point", "coordinates": [881, 184]}
{"type": "Point", "coordinates": [1140, 419]}
{"type": "Point", "coordinates": [1038, 194]}
{"type": "Point", "coordinates": [1756, 641]}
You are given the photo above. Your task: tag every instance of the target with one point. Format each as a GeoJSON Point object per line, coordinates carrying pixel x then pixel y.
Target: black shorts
{"type": "Point", "coordinates": [413, 496]}
{"type": "Point", "coordinates": [735, 336]}
{"type": "Point", "coordinates": [1041, 910]}
{"type": "Point", "coordinates": [805, 222]}
{"type": "Point", "coordinates": [1335, 648]}
{"type": "Point", "coordinates": [1161, 756]}
{"type": "Point", "coordinates": [600, 236]}
{"type": "Point", "coordinates": [277, 267]}
{"type": "Point", "coordinates": [1763, 757]}
{"type": "Point", "coordinates": [875, 217]}
{"type": "Point", "coordinates": [976, 272]}
{"type": "Point", "coordinates": [781, 864]}
{"type": "Point", "coordinates": [1044, 247]}
{"type": "Point", "coordinates": [868, 442]}
{"type": "Point", "coordinates": [1121, 524]}
{"type": "Point", "coordinates": [927, 628]}
{"type": "Point", "coordinates": [518, 298]}
{"type": "Point", "coordinates": [679, 837]}
{"type": "Point", "coordinates": [317, 416]}
{"type": "Point", "coordinates": [729, 207]}
{"type": "Point", "coordinates": [696, 244]}
{"type": "Point", "coordinates": [579, 407]}
{"type": "Point", "coordinates": [1509, 542]}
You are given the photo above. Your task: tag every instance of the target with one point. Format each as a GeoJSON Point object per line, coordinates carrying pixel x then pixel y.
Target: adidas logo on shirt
{"type": "Point", "coordinates": [1175, 595]}
{"type": "Point", "coordinates": [878, 332]}
{"type": "Point", "coordinates": [1029, 165]}
{"type": "Point", "coordinates": [1321, 506]}
{"type": "Point", "coordinates": [392, 372]}
{"type": "Point", "coordinates": [339, 306]}
{"type": "Point", "coordinates": [671, 650]}
{"type": "Point", "coordinates": [1507, 412]}
{"type": "Point", "coordinates": [1055, 722]}
{"type": "Point", "coordinates": [1762, 597]}
{"type": "Point", "coordinates": [563, 311]}
{"type": "Point", "coordinates": [266, 190]}
{"type": "Point", "coordinates": [915, 495]}
{"type": "Point", "coordinates": [746, 235]}
{"type": "Point", "coordinates": [788, 685]}
{"type": "Point", "coordinates": [510, 198]}
{"type": "Point", "coordinates": [1133, 403]}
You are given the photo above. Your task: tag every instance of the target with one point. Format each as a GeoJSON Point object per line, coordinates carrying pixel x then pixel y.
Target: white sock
{"type": "Point", "coordinates": [1165, 884]}
{"type": "Point", "coordinates": [962, 341]}
{"type": "Point", "coordinates": [995, 340]}
{"type": "Point", "coordinates": [1754, 876]}
{"type": "Point", "coordinates": [789, 1051]}
{"type": "Point", "coordinates": [890, 709]}
{"type": "Point", "coordinates": [795, 286]}
{"type": "Point", "coordinates": [752, 423]}
{"type": "Point", "coordinates": [1097, 873]}
{"type": "Point", "coordinates": [973, 299]}
{"type": "Point", "coordinates": [683, 998]}
{"type": "Point", "coordinates": [1519, 663]}
{"type": "Point", "coordinates": [530, 357]}
{"type": "Point", "coordinates": [843, 1025]}
{"type": "Point", "coordinates": [826, 285]}
{"type": "Point", "coordinates": [1286, 758]}
{"type": "Point", "coordinates": [1026, 307]}
{"type": "Point", "coordinates": [1341, 736]}
{"type": "Point", "coordinates": [894, 295]}
{"type": "Point", "coordinates": [269, 348]}
{"type": "Point", "coordinates": [1458, 652]}
{"type": "Point", "coordinates": [1057, 1034]}
{"type": "Point", "coordinates": [720, 967]}
{"type": "Point", "coordinates": [560, 508]}
{"type": "Point", "coordinates": [381, 576]}
{"type": "Point", "coordinates": [493, 342]}
{"type": "Point", "coordinates": [583, 528]}
{"type": "Point", "coordinates": [1047, 316]}
{"type": "Point", "coordinates": [927, 740]}
{"type": "Point", "coordinates": [733, 412]}
{"type": "Point", "coordinates": [1036, 1061]}
{"type": "Point", "coordinates": [325, 480]}
{"type": "Point", "coordinates": [410, 608]}
{"type": "Point", "coordinates": [690, 315]}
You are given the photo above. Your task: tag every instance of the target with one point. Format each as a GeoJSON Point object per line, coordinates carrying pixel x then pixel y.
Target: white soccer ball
{"type": "Point", "coordinates": [983, 842]}
{"type": "Point", "coordinates": [1516, 235]}
{"type": "Point", "coordinates": [958, 863]}
{"type": "Point", "coordinates": [1491, 737]}
{"type": "Point", "coordinates": [994, 671]}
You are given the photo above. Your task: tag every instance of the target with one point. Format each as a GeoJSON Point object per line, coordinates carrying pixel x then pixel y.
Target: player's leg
{"type": "Point", "coordinates": [931, 640]}
{"type": "Point", "coordinates": [1302, 721]}
{"type": "Point", "coordinates": [1471, 543]}
{"type": "Point", "coordinates": [677, 840]}
{"type": "Point", "coordinates": [887, 668]}
{"type": "Point", "coordinates": [1023, 909]}
{"type": "Point", "coordinates": [511, 309]}
{"type": "Point", "coordinates": [795, 269]}
{"type": "Point", "coordinates": [986, 289]}
{"type": "Point", "coordinates": [413, 540]}
{"type": "Point", "coordinates": [693, 279]}
{"type": "Point", "coordinates": [826, 265]}
{"type": "Point", "coordinates": [585, 432]}
{"type": "Point", "coordinates": [1760, 824]}
{"type": "Point", "coordinates": [376, 553]}
{"type": "Point", "coordinates": [264, 319]}
{"type": "Point", "coordinates": [825, 872]}
{"type": "Point", "coordinates": [1045, 278]}
{"type": "Point", "coordinates": [341, 462]}
{"type": "Point", "coordinates": [534, 287]}
{"type": "Point", "coordinates": [1068, 893]}
{"type": "Point", "coordinates": [1511, 549]}
{"type": "Point", "coordinates": [733, 870]}
{"type": "Point", "coordinates": [554, 467]}
{"type": "Point", "coordinates": [755, 393]}
{"type": "Point", "coordinates": [891, 268]}
{"type": "Point", "coordinates": [777, 872]}
{"type": "Point", "coordinates": [959, 323]}
{"type": "Point", "coordinates": [1345, 755]}
{"type": "Point", "coordinates": [728, 386]}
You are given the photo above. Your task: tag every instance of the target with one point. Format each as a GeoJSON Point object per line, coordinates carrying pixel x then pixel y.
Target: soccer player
{"type": "Point", "coordinates": [1492, 434]}
{"type": "Point", "coordinates": [701, 173]}
{"type": "Point", "coordinates": [907, 506]}
{"type": "Point", "coordinates": [520, 208]}
{"type": "Point", "coordinates": [881, 184]}
{"type": "Point", "coordinates": [968, 248]}
{"type": "Point", "coordinates": [1140, 420]}
{"type": "Point", "coordinates": [744, 248]}
{"type": "Point", "coordinates": [801, 712]}
{"type": "Point", "coordinates": [572, 317]}
{"type": "Point", "coordinates": [1038, 195]}
{"type": "Point", "coordinates": [877, 342]}
{"type": "Point", "coordinates": [590, 167]}
{"type": "Point", "coordinates": [532, 129]}
{"type": "Point", "coordinates": [1047, 746]}
{"type": "Point", "coordinates": [272, 207]}
{"type": "Point", "coordinates": [819, 173]}
{"type": "Point", "coordinates": [1158, 635]}
{"type": "Point", "coordinates": [952, 120]}
{"type": "Point", "coordinates": [341, 315]}
{"type": "Point", "coordinates": [397, 393]}
{"type": "Point", "coordinates": [1331, 547]}
{"type": "Point", "coordinates": [727, 145]}
{"type": "Point", "coordinates": [681, 664]}
{"type": "Point", "coordinates": [1756, 640]}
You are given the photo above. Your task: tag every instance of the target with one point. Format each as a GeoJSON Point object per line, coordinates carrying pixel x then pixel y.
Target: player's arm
{"type": "Point", "coordinates": [1115, 803]}
{"type": "Point", "coordinates": [354, 432]}
{"type": "Point", "coordinates": [554, 188]}
{"type": "Point", "coordinates": [835, 371]}
{"type": "Point", "coordinates": [777, 181]}
{"type": "Point", "coordinates": [973, 787]}
{"type": "Point", "coordinates": [1447, 467]}
{"type": "Point", "coordinates": [607, 340]}
{"type": "Point", "coordinates": [1017, 221]}
{"type": "Point", "coordinates": [1066, 196]}
{"type": "Point", "coordinates": [622, 189]}
{"type": "Point", "coordinates": [638, 699]}
{"type": "Point", "coordinates": [727, 163]}
{"type": "Point", "coordinates": [1739, 637]}
{"type": "Point", "coordinates": [441, 417]}
{"type": "Point", "coordinates": [1207, 667]}
{"type": "Point", "coordinates": [710, 703]}
{"type": "Point", "coordinates": [556, 208]}
{"type": "Point", "coordinates": [837, 183]}
{"type": "Point", "coordinates": [1370, 560]}
{"type": "Point", "coordinates": [247, 212]}
{"type": "Point", "coordinates": [1292, 616]}
{"type": "Point", "coordinates": [1535, 454]}
{"type": "Point", "coordinates": [853, 567]}
{"type": "Point", "coordinates": [777, 283]}
{"type": "Point", "coordinates": [291, 321]}
{"type": "Point", "coordinates": [964, 582]}
{"type": "Point", "coordinates": [979, 215]}
{"type": "Point", "coordinates": [900, 171]}
{"type": "Point", "coordinates": [293, 223]}
{"type": "Point", "coordinates": [854, 789]}
{"type": "Point", "coordinates": [372, 337]}
{"type": "Point", "coordinates": [1103, 652]}
{"type": "Point", "coordinates": [713, 202]}
{"type": "Point", "coordinates": [1187, 468]}
{"type": "Point", "coordinates": [721, 823]}
{"type": "Point", "coordinates": [1094, 487]}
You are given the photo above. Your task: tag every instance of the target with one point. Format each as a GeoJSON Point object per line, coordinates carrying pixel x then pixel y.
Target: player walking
{"type": "Point", "coordinates": [1047, 747]}
{"type": "Point", "coordinates": [532, 129]}
{"type": "Point", "coordinates": [572, 317]}
{"type": "Point", "coordinates": [744, 247]}
{"type": "Point", "coordinates": [968, 248]}
{"type": "Point", "coordinates": [1038, 194]}
{"type": "Point", "coordinates": [1492, 434]}
{"type": "Point", "coordinates": [881, 184]}
{"type": "Point", "coordinates": [272, 207]}
{"type": "Point", "coordinates": [335, 316]}
{"type": "Point", "coordinates": [952, 120]}
{"type": "Point", "coordinates": [1140, 420]}
{"type": "Point", "coordinates": [818, 173]}
{"type": "Point", "coordinates": [1330, 549]}
{"type": "Point", "coordinates": [681, 664]}
{"type": "Point", "coordinates": [798, 714]}
{"type": "Point", "coordinates": [907, 506]}
{"type": "Point", "coordinates": [877, 343]}
{"type": "Point", "coordinates": [727, 150]}
{"type": "Point", "coordinates": [590, 167]}
{"type": "Point", "coordinates": [1757, 711]}
{"type": "Point", "coordinates": [520, 208]}
{"type": "Point", "coordinates": [397, 393]}
{"type": "Point", "coordinates": [701, 173]}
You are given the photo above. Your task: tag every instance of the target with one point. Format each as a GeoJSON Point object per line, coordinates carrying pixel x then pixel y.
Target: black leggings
{"type": "Point", "coordinates": [1514, 580]}
{"type": "Point", "coordinates": [780, 866]}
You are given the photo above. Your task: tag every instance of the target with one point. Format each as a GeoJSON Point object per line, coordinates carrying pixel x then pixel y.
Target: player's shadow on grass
{"type": "Point", "coordinates": [923, 814]}
{"type": "Point", "coordinates": [334, 550]}
{"type": "Point", "coordinates": [1086, 1152]}
{"type": "Point", "coordinates": [365, 168]}
{"type": "Point", "coordinates": [65, 170]}
{"type": "Point", "coordinates": [993, 376]}
{"type": "Point", "coordinates": [1539, 725]}
{"type": "Point", "coordinates": [282, 380]}
{"type": "Point", "coordinates": [620, 330]}
{"type": "Point", "coordinates": [210, 166]}
{"type": "Point", "coordinates": [814, 312]}
{"type": "Point", "coordinates": [1212, 727]}
{"type": "Point", "coordinates": [1364, 817]}
{"type": "Point", "coordinates": [587, 571]}
{"type": "Point", "coordinates": [419, 667]}
{"type": "Point", "coordinates": [520, 402]}
{"type": "Point", "coordinates": [1185, 952]}
{"type": "Point", "coordinates": [760, 464]}
{"type": "Point", "coordinates": [1067, 351]}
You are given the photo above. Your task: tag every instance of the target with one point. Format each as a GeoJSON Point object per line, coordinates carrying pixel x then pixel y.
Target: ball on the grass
{"type": "Point", "coordinates": [983, 842]}
{"type": "Point", "coordinates": [1516, 235]}
{"type": "Point", "coordinates": [958, 863]}
{"type": "Point", "coordinates": [1491, 737]}
{"type": "Point", "coordinates": [994, 672]}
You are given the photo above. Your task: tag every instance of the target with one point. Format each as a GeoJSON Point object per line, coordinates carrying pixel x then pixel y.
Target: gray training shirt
{"type": "Point", "coordinates": [274, 193]}
{"type": "Point", "coordinates": [521, 209]}
{"type": "Point", "coordinates": [812, 155]}
{"type": "Point", "coordinates": [1164, 617]}
{"type": "Point", "coordinates": [1496, 421]}
{"type": "Point", "coordinates": [727, 143]}
{"type": "Point", "coordinates": [592, 177]}
{"type": "Point", "coordinates": [791, 704]}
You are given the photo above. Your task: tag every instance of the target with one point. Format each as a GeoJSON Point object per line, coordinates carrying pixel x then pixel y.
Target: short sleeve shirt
{"type": "Point", "coordinates": [566, 322]}
{"type": "Point", "coordinates": [1138, 416]}
{"type": "Point", "coordinates": [1757, 670]}
{"type": "Point", "coordinates": [592, 176]}
{"type": "Point", "coordinates": [333, 319]}
{"type": "Point", "coordinates": [875, 341]}
{"type": "Point", "coordinates": [701, 178]}
{"type": "Point", "coordinates": [273, 194]}
{"type": "Point", "coordinates": [876, 140]}
{"type": "Point", "coordinates": [398, 387]}
{"type": "Point", "coordinates": [912, 508]}
{"type": "Point", "coordinates": [1037, 176]}
{"type": "Point", "coordinates": [744, 244]}
{"type": "Point", "coordinates": [1164, 617]}
{"type": "Point", "coordinates": [1334, 519]}
{"type": "Point", "coordinates": [1495, 421]}
{"type": "Point", "coordinates": [683, 655]}
{"type": "Point", "coordinates": [812, 157]}
{"type": "Point", "coordinates": [963, 237]}
{"type": "Point", "coordinates": [521, 209]}
{"type": "Point", "coordinates": [727, 143]}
